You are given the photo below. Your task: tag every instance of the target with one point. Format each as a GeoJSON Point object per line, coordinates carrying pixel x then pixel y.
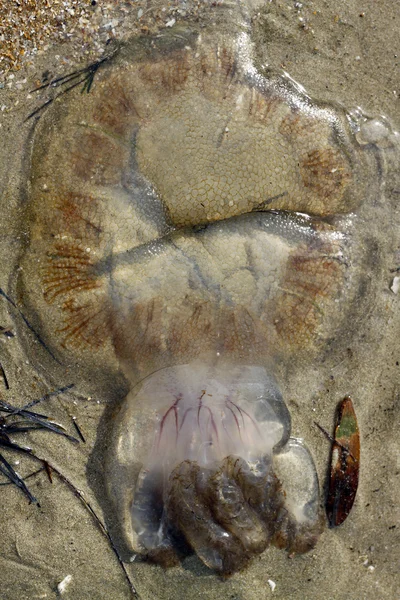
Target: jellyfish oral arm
{"type": "Point", "coordinates": [200, 465]}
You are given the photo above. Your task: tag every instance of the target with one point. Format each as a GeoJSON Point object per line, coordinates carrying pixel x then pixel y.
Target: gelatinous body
{"type": "Point", "coordinates": [205, 452]}
{"type": "Point", "coordinates": [194, 219]}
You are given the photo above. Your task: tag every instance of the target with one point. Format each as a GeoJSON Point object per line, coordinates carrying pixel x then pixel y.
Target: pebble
{"type": "Point", "coordinates": [395, 286]}
{"type": "Point", "coordinates": [62, 586]}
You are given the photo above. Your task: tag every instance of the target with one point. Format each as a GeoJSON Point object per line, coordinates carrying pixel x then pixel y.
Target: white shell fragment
{"type": "Point", "coordinates": [395, 286]}
{"type": "Point", "coordinates": [63, 585]}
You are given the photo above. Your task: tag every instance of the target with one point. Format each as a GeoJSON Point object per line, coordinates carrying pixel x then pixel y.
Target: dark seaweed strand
{"type": "Point", "coordinates": [9, 471]}
{"type": "Point", "coordinates": [83, 76]}
{"type": "Point", "coordinates": [96, 519]}
{"type": "Point", "coordinates": [7, 331]}
{"type": "Point", "coordinates": [39, 422]}
{"type": "Point", "coordinates": [78, 429]}
{"type": "Point", "coordinates": [36, 420]}
{"type": "Point", "coordinates": [24, 478]}
{"type": "Point", "coordinates": [31, 421]}
{"type": "Point", "coordinates": [56, 392]}
{"type": "Point", "coordinates": [49, 467]}
{"type": "Point", "coordinates": [333, 441]}
{"type": "Point", "coordinates": [30, 327]}
{"type": "Point", "coordinates": [4, 376]}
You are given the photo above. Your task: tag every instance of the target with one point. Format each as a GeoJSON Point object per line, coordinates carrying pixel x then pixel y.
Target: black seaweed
{"type": "Point", "coordinates": [84, 77]}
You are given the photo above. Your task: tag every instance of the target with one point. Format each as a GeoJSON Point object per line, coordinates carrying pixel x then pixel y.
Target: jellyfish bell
{"type": "Point", "coordinates": [194, 455]}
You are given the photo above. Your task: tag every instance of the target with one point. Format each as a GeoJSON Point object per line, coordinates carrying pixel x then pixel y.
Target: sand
{"type": "Point", "coordinates": [343, 52]}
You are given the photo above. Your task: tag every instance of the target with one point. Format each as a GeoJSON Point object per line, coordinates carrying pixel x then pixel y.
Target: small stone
{"type": "Point", "coordinates": [62, 586]}
{"type": "Point", "coordinates": [395, 287]}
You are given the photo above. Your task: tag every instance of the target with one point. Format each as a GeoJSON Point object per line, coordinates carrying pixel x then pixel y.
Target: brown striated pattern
{"type": "Point", "coordinates": [295, 126]}
{"type": "Point", "coordinates": [86, 324]}
{"type": "Point", "coordinates": [116, 109]}
{"type": "Point", "coordinates": [325, 171]}
{"type": "Point", "coordinates": [145, 322]}
{"type": "Point", "coordinates": [166, 76]}
{"type": "Point", "coordinates": [68, 270]}
{"type": "Point", "coordinates": [217, 73]}
{"type": "Point", "coordinates": [76, 215]}
{"type": "Point", "coordinates": [98, 158]}
{"type": "Point", "coordinates": [262, 106]}
{"type": "Point", "coordinates": [312, 281]}
{"type": "Point", "coordinates": [68, 276]}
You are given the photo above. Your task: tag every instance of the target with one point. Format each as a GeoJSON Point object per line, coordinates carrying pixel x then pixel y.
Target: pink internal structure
{"type": "Point", "coordinates": [216, 471]}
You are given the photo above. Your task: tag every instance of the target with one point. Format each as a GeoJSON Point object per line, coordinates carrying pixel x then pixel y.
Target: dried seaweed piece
{"type": "Point", "coordinates": [27, 323]}
{"type": "Point", "coordinates": [10, 425]}
{"type": "Point", "coordinates": [83, 76]}
{"type": "Point", "coordinates": [13, 476]}
{"type": "Point", "coordinates": [4, 377]}
{"type": "Point", "coordinates": [345, 464]}
{"type": "Point", "coordinates": [33, 421]}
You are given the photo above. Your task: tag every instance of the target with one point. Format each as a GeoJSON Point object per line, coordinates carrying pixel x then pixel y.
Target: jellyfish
{"type": "Point", "coordinates": [193, 225]}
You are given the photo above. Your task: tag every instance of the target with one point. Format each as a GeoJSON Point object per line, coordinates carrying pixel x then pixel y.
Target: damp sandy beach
{"type": "Point", "coordinates": [345, 53]}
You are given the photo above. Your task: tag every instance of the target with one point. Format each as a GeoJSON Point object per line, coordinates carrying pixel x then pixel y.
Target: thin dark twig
{"type": "Point", "coordinates": [49, 467]}
{"type": "Point", "coordinates": [43, 106]}
{"type": "Point", "coordinates": [43, 423]}
{"type": "Point", "coordinates": [96, 519]}
{"type": "Point", "coordinates": [84, 76]}
{"type": "Point", "coordinates": [39, 421]}
{"type": "Point", "coordinates": [26, 476]}
{"type": "Point", "coordinates": [13, 476]}
{"type": "Point", "coordinates": [35, 421]}
{"type": "Point", "coordinates": [4, 376]}
{"type": "Point", "coordinates": [60, 80]}
{"type": "Point", "coordinates": [78, 429]}
{"type": "Point", "coordinates": [30, 327]}
{"type": "Point", "coordinates": [333, 441]}
{"type": "Point", "coordinates": [7, 331]}
{"type": "Point", "coordinates": [92, 68]}
{"type": "Point", "coordinates": [30, 421]}
{"type": "Point", "coordinates": [56, 392]}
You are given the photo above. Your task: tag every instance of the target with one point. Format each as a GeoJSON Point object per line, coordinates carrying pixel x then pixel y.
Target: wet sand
{"type": "Point", "coordinates": [339, 53]}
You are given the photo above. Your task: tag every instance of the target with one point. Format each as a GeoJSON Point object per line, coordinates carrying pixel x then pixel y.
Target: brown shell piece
{"type": "Point", "coordinates": [345, 464]}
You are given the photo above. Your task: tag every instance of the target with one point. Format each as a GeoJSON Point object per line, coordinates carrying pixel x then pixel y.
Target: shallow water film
{"type": "Point", "coordinates": [203, 244]}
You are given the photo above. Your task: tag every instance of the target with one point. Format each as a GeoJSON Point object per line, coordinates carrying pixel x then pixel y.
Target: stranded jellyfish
{"type": "Point", "coordinates": [194, 221]}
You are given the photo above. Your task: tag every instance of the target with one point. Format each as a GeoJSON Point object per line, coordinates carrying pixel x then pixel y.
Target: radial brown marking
{"type": "Point", "coordinates": [115, 109]}
{"type": "Point", "coordinates": [297, 126]}
{"type": "Point", "coordinates": [144, 321]}
{"type": "Point", "coordinates": [313, 277]}
{"type": "Point", "coordinates": [97, 158]}
{"type": "Point", "coordinates": [198, 325]}
{"type": "Point", "coordinates": [262, 106]}
{"type": "Point", "coordinates": [166, 76]}
{"type": "Point", "coordinates": [69, 276]}
{"type": "Point", "coordinates": [86, 324]}
{"type": "Point", "coordinates": [228, 63]}
{"type": "Point", "coordinates": [217, 73]}
{"type": "Point", "coordinates": [69, 269]}
{"type": "Point", "coordinates": [77, 215]}
{"type": "Point", "coordinates": [325, 171]}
